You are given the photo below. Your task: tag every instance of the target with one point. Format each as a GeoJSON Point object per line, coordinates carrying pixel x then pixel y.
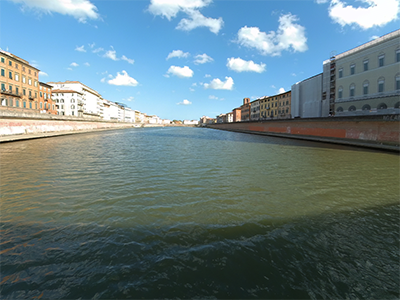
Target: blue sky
{"type": "Point", "coordinates": [182, 59]}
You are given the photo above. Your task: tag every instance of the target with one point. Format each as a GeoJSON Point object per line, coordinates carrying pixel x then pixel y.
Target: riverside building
{"type": "Point", "coordinates": [245, 110]}
{"type": "Point", "coordinates": [46, 102]}
{"type": "Point", "coordinates": [92, 102]}
{"type": "Point", "coordinates": [68, 102]}
{"type": "Point", "coordinates": [366, 80]}
{"type": "Point", "coordinates": [19, 83]}
{"type": "Point", "coordinates": [255, 110]}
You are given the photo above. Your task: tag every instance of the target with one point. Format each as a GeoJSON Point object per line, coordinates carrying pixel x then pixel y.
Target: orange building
{"type": "Point", "coordinates": [245, 110]}
{"type": "Point", "coordinates": [19, 83]}
{"type": "Point", "coordinates": [46, 103]}
{"type": "Point", "coordinates": [237, 114]}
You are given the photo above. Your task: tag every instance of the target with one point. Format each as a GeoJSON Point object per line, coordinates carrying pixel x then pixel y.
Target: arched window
{"type": "Point", "coordinates": [366, 107]}
{"type": "Point", "coordinates": [365, 87]}
{"type": "Point", "coordinates": [72, 106]}
{"type": "Point", "coordinates": [4, 102]}
{"type": "Point", "coordinates": [382, 106]}
{"type": "Point", "coordinates": [62, 101]}
{"type": "Point", "coordinates": [340, 92]}
{"type": "Point", "coordinates": [381, 85]}
{"type": "Point", "coordinates": [381, 60]}
{"type": "Point", "coordinates": [397, 55]}
{"type": "Point", "coordinates": [339, 109]}
{"type": "Point", "coordinates": [352, 90]}
{"type": "Point", "coordinates": [397, 82]}
{"type": "Point", "coordinates": [352, 108]}
{"type": "Point", "coordinates": [72, 100]}
{"type": "Point", "coordinates": [397, 105]}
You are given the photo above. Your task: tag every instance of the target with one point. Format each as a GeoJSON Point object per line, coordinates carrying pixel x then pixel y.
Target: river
{"type": "Point", "coordinates": [197, 213]}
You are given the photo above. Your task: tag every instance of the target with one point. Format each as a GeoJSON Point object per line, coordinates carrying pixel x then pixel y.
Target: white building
{"type": "Point", "coordinates": [255, 110]}
{"type": "Point", "coordinates": [190, 122]}
{"type": "Point", "coordinates": [68, 102]}
{"type": "Point", "coordinates": [307, 98]}
{"type": "Point", "coordinates": [366, 80]}
{"type": "Point", "coordinates": [92, 100]}
{"type": "Point", "coordinates": [229, 117]}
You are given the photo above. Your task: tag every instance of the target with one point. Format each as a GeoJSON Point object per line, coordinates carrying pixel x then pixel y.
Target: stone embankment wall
{"type": "Point", "coordinates": [381, 132]}
{"type": "Point", "coordinates": [15, 127]}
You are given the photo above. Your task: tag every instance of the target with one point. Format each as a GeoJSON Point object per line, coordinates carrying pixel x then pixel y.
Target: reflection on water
{"type": "Point", "coordinates": [189, 212]}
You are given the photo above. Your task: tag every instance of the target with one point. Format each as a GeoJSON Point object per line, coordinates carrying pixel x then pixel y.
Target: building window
{"type": "Point", "coordinates": [352, 90]}
{"type": "Point", "coordinates": [16, 66]}
{"type": "Point", "coordinates": [30, 93]}
{"type": "Point", "coordinates": [24, 104]}
{"type": "Point", "coordinates": [10, 102]}
{"type": "Point", "coordinates": [381, 60]}
{"type": "Point", "coordinates": [62, 101]}
{"type": "Point", "coordinates": [10, 62]}
{"type": "Point", "coordinates": [340, 92]}
{"type": "Point", "coordinates": [398, 55]}
{"type": "Point", "coordinates": [2, 59]}
{"type": "Point", "coordinates": [366, 107]}
{"type": "Point", "coordinates": [41, 94]}
{"type": "Point", "coordinates": [24, 92]}
{"type": "Point", "coordinates": [30, 105]}
{"type": "Point", "coordinates": [3, 87]}
{"type": "Point", "coordinates": [30, 81]}
{"type": "Point", "coordinates": [366, 65]}
{"type": "Point", "coordinates": [41, 105]}
{"type": "Point", "coordinates": [381, 85]}
{"type": "Point", "coordinates": [382, 106]}
{"type": "Point", "coordinates": [352, 108]}
{"type": "Point", "coordinates": [340, 73]}
{"type": "Point", "coordinates": [339, 109]}
{"type": "Point", "coordinates": [72, 100]}
{"type": "Point", "coordinates": [72, 106]}
{"type": "Point", "coordinates": [3, 72]}
{"type": "Point", "coordinates": [16, 77]}
{"type": "Point", "coordinates": [17, 91]}
{"type": "Point", "coordinates": [10, 88]}
{"type": "Point", "coordinates": [23, 79]}
{"type": "Point", "coordinates": [398, 82]}
{"type": "Point", "coordinates": [16, 103]}
{"type": "Point", "coordinates": [10, 75]}
{"type": "Point", "coordinates": [35, 83]}
{"type": "Point", "coordinates": [365, 88]}
{"type": "Point", "coordinates": [352, 69]}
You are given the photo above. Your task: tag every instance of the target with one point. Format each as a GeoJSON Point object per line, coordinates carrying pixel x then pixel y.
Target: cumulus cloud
{"type": "Point", "coordinates": [288, 36]}
{"type": "Point", "coordinates": [111, 54]}
{"type": "Point", "coordinates": [87, 64]}
{"type": "Point", "coordinates": [217, 84]}
{"type": "Point", "coordinates": [180, 72]}
{"type": "Point", "coordinates": [185, 102]}
{"type": "Point", "coordinates": [178, 54]}
{"type": "Point", "coordinates": [378, 13]}
{"type": "Point", "coordinates": [281, 90]}
{"type": "Point", "coordinates": [79, 9]}
{"type": "Point", "coordinates": [240, 65]}
{"type": "Point", "coordinates": [74, 64]}
{"type": "Point", "coordinates": [123, 79]}
{"type": "Point", "coordinates": [129, 60]}
{"type": "Point", "coordinates": [198, 20]}
{"type": "Point", "coordinates": [97, 50]}
{"type": "Point", "coordinates": [170, 8]}
{"type": "Point", "coordinates": [80, 49]}
{"type": "Point", "coordinates": [202, 59]}
{"type": "Point", "coordinates": [41, 73]}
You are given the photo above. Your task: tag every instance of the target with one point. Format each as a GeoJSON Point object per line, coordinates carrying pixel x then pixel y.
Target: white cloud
{"type": "Point", "coordinates": [185, 102]}
{"type": "Point", "coordinates": [378, 13]}
{"type": "Point", "coordinates": [202, 59]}
{"type": "Point", "coordinates": [321, 1]}
{"type": "Point", "coordinates": [43, 73]}
{"type": "Point", "coordinates": [288, 36]}
{"type": "Point", "coordinates": [198, 20]}
{"type": "Point", "coordinates": [374, 37]}
{"type": "Point", "coordinates": [69, 69]}
{"type": "Point", "coordinates": [87, 64]}
{"type": "Point", "coordinates": [97, 50]}
{"type": "Point", "coordinates": [170, 8]}
{"type": "Point", "coordinates": [180, 72]}
{"type": "Point", "coordinates": [80, 49]}
{"type": "Point", "coordinates": [123, 79]}
{"type": "Point", "coordinates": [207, 75]}
{"type": "Point", "coordinates": [281, 90]}
{"type": "Point", "coordinates": [74, 64]}
{"type": "Point", "coordinates": [129, 60]}
{"type": "Point", "coordinates": [178, 53]}
{"type": "Point", "coordinates": [240, 65]}
{"type": "Point", "coordinates": [213, 97]}
{"type": "Point", "coordinates": [129, 99]}
{"type": "Point", "coordinates": [79, 9]}
{"type": "Point", "coordinates": [217, 84]}
{"type": "Point", "coordinates": [91, 45]}
{"type": "Point", "coordinates": [111, 54]}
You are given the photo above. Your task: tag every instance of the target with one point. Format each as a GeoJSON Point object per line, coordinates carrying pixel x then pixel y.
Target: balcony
{"type": "Point", "coordinates": [10, 93]}
{"type": "Point", "coordinates": [31, 98]}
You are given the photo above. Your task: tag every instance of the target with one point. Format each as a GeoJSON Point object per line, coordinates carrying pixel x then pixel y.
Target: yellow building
{"type": "Point", "coordinates": [19, 84]}
{"type": "Point", "coordinates": [275, 107]}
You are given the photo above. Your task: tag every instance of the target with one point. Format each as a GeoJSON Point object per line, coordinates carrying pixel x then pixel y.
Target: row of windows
{"type": "Point", "coordinates": [381, 63]}
{"type": "Point", "coordinates": [16, 103]}
{"type": "Point", "coordinates": [16, 91]}
{"type": "Point", "coordinates": [381, 87]}
{"type": "Point", "coordinates": [16, 77]}
{"type": "Point", "coordinates": [275, 98]}
{"type": "Point", "coordinates": [368, 107]}
{"type": "Point", "coordinates": [62, 100]}
{"type": "Point", "coordinates": [62, 94]}
{"type": "Point", "coordinates": [10, 63]}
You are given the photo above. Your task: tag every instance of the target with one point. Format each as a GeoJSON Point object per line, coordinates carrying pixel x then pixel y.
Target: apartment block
{"type": "Point", "coordinates": [366, 79]}
{"type": "Point", "coordinates": [245, 110]}
{"type": "Point", "coordinates": [19, 82]}
{"type": "Point", "coordinates": [68, 102]}
{"type": "Point", "coordinates": [46, 102]}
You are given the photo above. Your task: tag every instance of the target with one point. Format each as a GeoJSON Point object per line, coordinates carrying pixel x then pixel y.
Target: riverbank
{"type": "Point", "coordinates": [375, 132]}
